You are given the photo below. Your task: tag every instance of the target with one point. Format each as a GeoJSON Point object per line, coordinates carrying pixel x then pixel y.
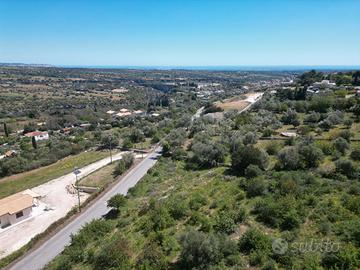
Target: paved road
{"type": "Point", "coordinates": [54, 195]}
{"type": "Point", "coordinates": [55, 245]}
{"type": "Point", "coordinates": [253, 98]}
{"type": "Point", "coordinates": [197, 114]}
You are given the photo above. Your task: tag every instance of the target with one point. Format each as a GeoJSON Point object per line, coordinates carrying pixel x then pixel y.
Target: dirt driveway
{"type": "Point", "coordinates": [55, 197]}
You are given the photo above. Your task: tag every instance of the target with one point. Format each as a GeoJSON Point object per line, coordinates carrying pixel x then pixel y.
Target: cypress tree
{"type": "Point", "coordinates": [34, 143]}
{"type": "Point", "coordinates": [6, 130]}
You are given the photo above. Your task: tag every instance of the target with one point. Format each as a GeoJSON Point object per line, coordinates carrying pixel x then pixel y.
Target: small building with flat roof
{"type": "Point", "coordinates": [39, 135]}
{"type": "Point", "coordinates": [16, 207]}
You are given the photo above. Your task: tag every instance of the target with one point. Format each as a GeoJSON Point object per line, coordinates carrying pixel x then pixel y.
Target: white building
{"type": "Point", "coordinates": [325, 83]}
{"type": "Point", "coordinates": [39, 135]}
{"type": "Point", "coordinates": [123, 114]}
{"type": "Point", "coordinates": [110, 112]}
{"type": "Point", "coordinates": [15, 208]}
{"type": "Point", "coordinates": [138, 112]}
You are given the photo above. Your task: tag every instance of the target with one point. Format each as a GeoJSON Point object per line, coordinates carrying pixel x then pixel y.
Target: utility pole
{"type": "Point", "coordinates": [110, 138]}
{"type": "Point", "coordinates": [76, 172]}
{"type": "Point", "coordinates": [142, 150]}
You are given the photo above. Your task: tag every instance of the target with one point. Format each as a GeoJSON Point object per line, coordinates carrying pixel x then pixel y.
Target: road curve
{"type": "Point", "coordinates": [41, 256]}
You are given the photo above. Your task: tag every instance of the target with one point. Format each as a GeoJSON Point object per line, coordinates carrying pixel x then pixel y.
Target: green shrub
{"type": "Point", "coordinates": [224, 223]}
{"type": "Point", "coordinates": [312, 155]}
{"type": "Point", "coordinates": [136, 135]}
{"type": "Point", "coordinates": [201, 251]}
{"type": "Point", "coordinates": [267, 132]}
{"type": "Point", "coordinates": [345, 167]}
{"type": "Point", "coordinates": [115, 255]}
{"type": "Point", "coordinates": [270, 265]}
{"type": "Point", "coordinates": [254, 240]}
{"type": "Point", "coordinates": [239, 213]}
{"type": "Point", "coordinates": [341, 145]}
{"type": "Point", "coordinates": [160, 218]}
{"type": "Point", "coordinates": [117, 201]}
{"type": "Point", "coordinates": [289, 159]}
{"type": "Point", "coordinates": [348, 257]}
{"type": "Point", "coordinates": [197, 200]}
{"type": "Point", "coordinates": [290, 220]}
{"type": "Point", "coordinates": [273, 147]}
{"type": "Point", "coordinates": [355, 154]}
{"type": "Point", "coordinates": [206, 154]}
{"type": "Point", "coordinates": [127, 144]}
{"type": "Point", "coordinates": [281, 213]}
{"type": "Point", "coordinates": [256, 187]}
{"type": "Point", "coordinates": [92, 231]}
{"type": "Point", "coordinates": [257, 257]}
{"type": "Point", "coordinates": [152, 258]}
{"type": "Point", "coordinates": [178, 207]}
{"type": "Point", "coordinates": [179, 154]}
{"type": "Point", "coordinates": [243, 156]}
{"type": "Point", "coordinates": [353, 204]}
{"type": "Point", "coordinates": [124, 163]}
{"type": "Point", "coordinates": [326, 147]}
{"type": "Point", "coordinates": [253, 171]}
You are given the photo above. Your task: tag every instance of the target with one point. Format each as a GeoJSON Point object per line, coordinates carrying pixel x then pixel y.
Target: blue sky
{"type": "Point", "coordinates": [180, 33]}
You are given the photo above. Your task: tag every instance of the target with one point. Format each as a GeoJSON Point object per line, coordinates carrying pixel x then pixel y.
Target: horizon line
{"type": "Point", "coordinates": [263, 67]}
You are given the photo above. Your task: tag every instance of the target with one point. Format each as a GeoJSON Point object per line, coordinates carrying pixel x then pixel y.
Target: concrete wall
{"type": "Point", "coordinates": [11, 219]}
{"type": "Point", "coordinates": [4, 221]}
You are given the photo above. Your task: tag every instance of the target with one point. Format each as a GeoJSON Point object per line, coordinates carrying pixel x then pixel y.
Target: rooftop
{"type": "Point", "coordinates": [35, 133]}
{"type": "Point", "coordinates": [15, 203]}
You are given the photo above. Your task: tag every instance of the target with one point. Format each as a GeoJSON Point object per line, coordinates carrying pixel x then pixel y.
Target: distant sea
{"type": "Point", "coordinates": [209, 68]}
{"type": "Point", "coordinates": [224, 68]}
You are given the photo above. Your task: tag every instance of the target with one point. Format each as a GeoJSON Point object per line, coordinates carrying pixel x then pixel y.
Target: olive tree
{"type": "Point", "coordinates": [243, 156]}
{"type": "Point", "coordinates": [289, 158]}
{"type": "Point", "coordinates": [208, 154]}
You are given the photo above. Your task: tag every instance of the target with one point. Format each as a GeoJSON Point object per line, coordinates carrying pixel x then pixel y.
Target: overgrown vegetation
{"type": "Point", "coordinates": [228, 184]}
{"type": "Point", "coordinates": [223, 193]}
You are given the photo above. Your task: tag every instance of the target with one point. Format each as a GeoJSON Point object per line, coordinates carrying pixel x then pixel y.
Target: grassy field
{"type": "Point", "coordinates": [143, 145]}
{"type": "Point", "coordinates": [16, 183]}
{"type": "Point", "coordinates": [233, 104]}
{"type": "Point", "coordinates": [100, 178]}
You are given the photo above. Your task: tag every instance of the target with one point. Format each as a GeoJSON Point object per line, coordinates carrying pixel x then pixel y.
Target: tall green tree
{"type": "Point", "coordinates": [243, 156]}
{"type": "Point", "coordinates": [6, 130]}
{"type": "Point", "coordinates": [34, 143]}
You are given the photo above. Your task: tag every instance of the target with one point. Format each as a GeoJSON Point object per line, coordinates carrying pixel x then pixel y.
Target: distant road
{"type": "Point", "coordinates": [197, 114]}
{"type": "Point", "coordinates": [41, 256]}
{"type": "Point", "coordinates": [252, 98]}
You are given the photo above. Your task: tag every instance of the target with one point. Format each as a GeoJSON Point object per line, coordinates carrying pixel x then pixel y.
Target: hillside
{"type": "Point", "coordinates": [234, 194]}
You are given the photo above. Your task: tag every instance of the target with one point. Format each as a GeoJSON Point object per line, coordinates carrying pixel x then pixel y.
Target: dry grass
{"type": "Point", "coordinates": [99, 178]}
{"type": "Point", "coordinates": [238, 103]}
{"type": "Point", "coordinates": [22, 181]}
{"type": "Point", "coordinates": [232, 104]}
{"type": "Point", "coordinates": [355, 129]}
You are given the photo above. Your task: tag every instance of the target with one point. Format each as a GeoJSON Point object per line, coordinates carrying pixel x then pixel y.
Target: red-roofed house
{"type": "Point", "coordinates": [39, 135]}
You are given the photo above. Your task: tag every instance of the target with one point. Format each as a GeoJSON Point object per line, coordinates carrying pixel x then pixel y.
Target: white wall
{"type": "Point", "coordinates": [4, 220]}
{"type": "Point", "coordinates": [42, 137]}
{"type": "Point", "coordinates": [11, 219]}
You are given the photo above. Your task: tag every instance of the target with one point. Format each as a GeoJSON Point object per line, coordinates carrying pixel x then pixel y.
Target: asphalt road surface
{"type": "Point", "coordinates": [41, 256]}
{"type": "Point", "coordinates": [55, 195]}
